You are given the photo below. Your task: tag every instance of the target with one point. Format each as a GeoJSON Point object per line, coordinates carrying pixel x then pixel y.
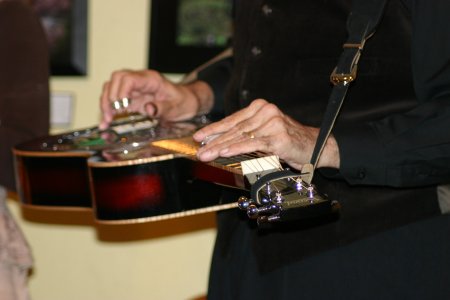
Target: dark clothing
{"type": "Point", "coordinates": [409, 262]}
{"type": "Point", "coordinates": [392, 132]}
{"type": "Point", "coordinates": [24, 114]}
{"type": "Point", "coordinates": [24, 88]}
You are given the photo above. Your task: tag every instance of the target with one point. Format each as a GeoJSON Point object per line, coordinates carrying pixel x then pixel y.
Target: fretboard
{"type": "Point", "coordinates": [186, 146]}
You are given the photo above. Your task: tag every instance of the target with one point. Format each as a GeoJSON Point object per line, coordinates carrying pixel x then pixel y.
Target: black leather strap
{"type": "Point", "coordinates": [361, 25]}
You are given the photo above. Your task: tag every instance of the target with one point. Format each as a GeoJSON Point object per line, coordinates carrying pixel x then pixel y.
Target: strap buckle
{"type": "Point", "coordinates": [345, 78]}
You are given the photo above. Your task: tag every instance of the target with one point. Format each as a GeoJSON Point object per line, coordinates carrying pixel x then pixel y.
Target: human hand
{"type": "Point", "coordinates": [263, 127]}
{"type": "Point", "coordinates": [152, 94]}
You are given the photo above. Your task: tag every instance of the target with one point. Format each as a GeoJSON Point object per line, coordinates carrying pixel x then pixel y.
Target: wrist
{"type": "Point", "coordinates": [202, 96]}
{"type": "Point", "coordinates": [330, 157]}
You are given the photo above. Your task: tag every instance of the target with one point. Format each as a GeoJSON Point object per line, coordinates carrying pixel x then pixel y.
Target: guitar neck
{"type": "Point", "coordinates": [187, 147]}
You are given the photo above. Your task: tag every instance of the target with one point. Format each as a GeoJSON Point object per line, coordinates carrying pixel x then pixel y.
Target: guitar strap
{"type": "Point", "coordinates": [361, 25]}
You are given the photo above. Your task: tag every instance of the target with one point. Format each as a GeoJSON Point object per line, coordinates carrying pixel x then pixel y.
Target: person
{"type": "Point", "coordinates": [387, 161]}
{"type": "Point", "coordinates": [24, 115]}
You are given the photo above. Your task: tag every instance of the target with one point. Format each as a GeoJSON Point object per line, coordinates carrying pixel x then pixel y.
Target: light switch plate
{"type": "Point", "coordinates": [61, 109]}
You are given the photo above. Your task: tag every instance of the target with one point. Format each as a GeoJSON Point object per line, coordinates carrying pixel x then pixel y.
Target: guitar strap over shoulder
{"type": "Point", "coordinates": [361, 25]}
{"type": "Point", "coordinates": [283, 196]}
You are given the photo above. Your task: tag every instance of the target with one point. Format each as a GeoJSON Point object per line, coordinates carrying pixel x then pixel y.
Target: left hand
{"type": "Point", "coordinates": [263, 127]}
{"type": "Point", "coordinates": [154, 95]}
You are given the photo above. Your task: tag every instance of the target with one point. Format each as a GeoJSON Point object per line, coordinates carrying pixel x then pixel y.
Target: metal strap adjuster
{"type": "Point", "coordinates": [345, 78]}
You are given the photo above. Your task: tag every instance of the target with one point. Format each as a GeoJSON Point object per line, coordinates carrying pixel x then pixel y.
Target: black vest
{"type": "Point", "coordinates": [285, 54]}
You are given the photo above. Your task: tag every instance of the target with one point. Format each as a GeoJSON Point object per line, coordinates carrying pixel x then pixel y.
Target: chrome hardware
{"type": "Point", "coordinates": [285, 196]}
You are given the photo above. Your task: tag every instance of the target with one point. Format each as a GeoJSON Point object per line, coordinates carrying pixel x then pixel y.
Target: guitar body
{"type": "Point", "coordinates": [47, 179]}
{"type": "Point", "coordinates": [150, 183]}
{"type": "Point", "coordinates": [158, 188]}
{"type": "Point", "coordinates": [121, 182]}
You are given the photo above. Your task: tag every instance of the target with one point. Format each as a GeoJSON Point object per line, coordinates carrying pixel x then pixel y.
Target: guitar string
{"type": "Point", "coordinates": [256, 165]}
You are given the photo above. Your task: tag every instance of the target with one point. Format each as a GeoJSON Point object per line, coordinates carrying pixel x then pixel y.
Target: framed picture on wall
{"type": "Point", "coordinates": [65, 24]}
{"type": "Point", "coordinates": [186, 33]}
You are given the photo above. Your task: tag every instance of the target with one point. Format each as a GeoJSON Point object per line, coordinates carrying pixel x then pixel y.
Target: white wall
{"type": "Point", "coordinates": [165, 260]}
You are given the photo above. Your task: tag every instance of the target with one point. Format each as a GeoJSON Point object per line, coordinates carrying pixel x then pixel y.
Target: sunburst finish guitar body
{"type": "Point", "coordinates": [138, 171]}
{"type": "Point", "coordinates": [157, 181]}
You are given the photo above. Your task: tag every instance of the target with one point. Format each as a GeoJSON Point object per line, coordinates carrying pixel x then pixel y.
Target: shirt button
{"type": "Point", "coordinates": [256, 51]}
{"type": "Point", "coordinates": [244, 94]}
{"type": "Point", "coordinates": [361, 173]}
{"type": "Point", "coordinates": [266, 9]}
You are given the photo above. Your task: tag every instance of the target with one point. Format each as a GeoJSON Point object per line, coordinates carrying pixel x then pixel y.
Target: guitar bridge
{"type": "Point", "coordinates": [285, 196]}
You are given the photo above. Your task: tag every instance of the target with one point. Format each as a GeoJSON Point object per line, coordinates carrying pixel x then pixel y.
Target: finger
{"type": "Point", "coordinates": [114, 85]}
{"type": "Point", "coordinates": [105, 106]}
{"type": "Point", "coordinates": [144, 87]}
{"type": "Point", "coordinates": [127, 83]}
{"type": "Point", "coordinates": [263, 126]}
{"type": "Point", "coordinates": [245, 143]}
{"type": "Point", "coordinates": [212, 152]}
{"type": "Point", "coordinates": [223, 126]}
{"type": "Point", "coordinates": [151, 109]}
{"type": "Point", "coordinates": [229, 122]}
{"type": "Point", "coordinates": [262, 113]}
{"type": "Point", "coordinates": [162, 109]}
{"type": "Point", "coordinates": [246, 146]}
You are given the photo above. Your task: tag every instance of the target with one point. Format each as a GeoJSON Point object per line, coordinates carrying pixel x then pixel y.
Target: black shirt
{"type": "Point", "coordinates": [393, 130]}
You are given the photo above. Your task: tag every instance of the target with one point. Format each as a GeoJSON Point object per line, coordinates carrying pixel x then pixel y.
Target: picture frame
{"type": "Point", "coordinates": [65, 25]}
{"type": "Point", "coordinates": [186, 33]}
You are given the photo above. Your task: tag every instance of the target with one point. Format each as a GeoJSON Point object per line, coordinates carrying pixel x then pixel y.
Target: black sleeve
{"type": "Point", "coordinates": [24, 88]}
{"type": "Point", "coordinates": [217, 76]}
{"type": "Point", "coordinates": [412, 148]}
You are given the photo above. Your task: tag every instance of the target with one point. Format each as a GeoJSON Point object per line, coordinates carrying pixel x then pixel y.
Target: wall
{"type": "Point", "coordinates": [76, 259]}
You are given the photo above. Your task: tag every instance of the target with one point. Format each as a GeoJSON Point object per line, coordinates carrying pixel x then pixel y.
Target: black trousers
{"type": "Point", "coordinates": [410, 262]}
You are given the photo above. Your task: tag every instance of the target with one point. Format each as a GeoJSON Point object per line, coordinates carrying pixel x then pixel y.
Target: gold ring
{"type": "Point", "coordinates": [249, 134]}
{"type": "Point", "coordinates": [121, 103]}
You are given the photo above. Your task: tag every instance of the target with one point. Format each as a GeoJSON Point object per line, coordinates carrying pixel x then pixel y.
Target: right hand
{"type": "Point", "coordinates": [151, 93]}
{"type": "Point", "coordinates": [263, 127]}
